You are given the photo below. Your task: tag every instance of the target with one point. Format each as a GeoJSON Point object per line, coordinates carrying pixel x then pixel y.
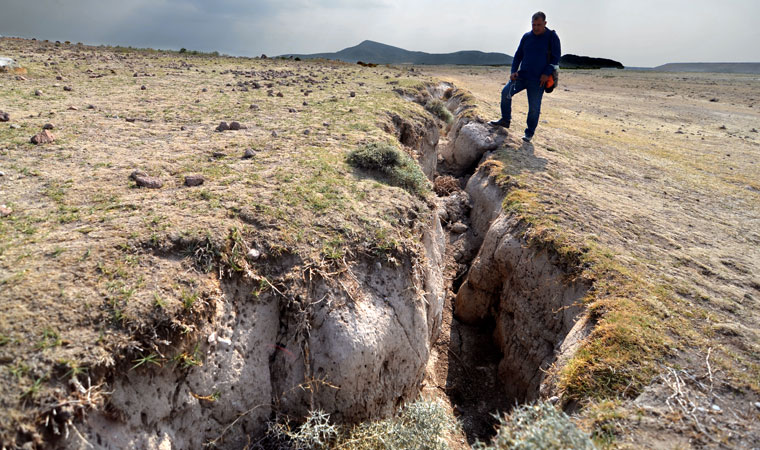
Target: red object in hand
{"type": "Point", "coordinates": [550, 82]}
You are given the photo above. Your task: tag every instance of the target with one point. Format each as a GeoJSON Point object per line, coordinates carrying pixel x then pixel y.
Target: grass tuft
{"type": "Point", "coordinates": [393, 163]}
{"type": "Point", "coordinates": [537, 426]}
{"type": "Point", "coordinates": [438, 109]}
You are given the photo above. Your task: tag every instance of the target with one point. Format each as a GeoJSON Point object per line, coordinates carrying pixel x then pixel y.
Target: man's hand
{"type": "Point", "coordinates": [544, 79]}
{"type": "Point", "coordinates": [513, 77]}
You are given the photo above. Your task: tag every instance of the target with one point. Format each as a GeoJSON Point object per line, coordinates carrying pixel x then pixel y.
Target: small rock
{"type": "Point", "coordinates": [218, 154]}
{"type": "Point", "coordinates": [2, 174]}
{"type": "Point", "coordinates": [38, 93]}
{"type": "Point", "coordinates": [90, 106]}
{"type": "Point", "coordinates": [225, 341]}
{"type": "Point", "coordinates": [59, 78]}
{"type": "Point", "coordinates": [716, 408]}
{"type": "Point", "coordinates": [291, 110]}
{"type": "Point", "coordinates": [182, 128]}
{"type": "Point", "coordinates": [754, 130]}
{"type": "Point", "coordinates": [5, 211]}
{"type": "Point", "coordinates": [249, 153]}
{"type": "Point", "coordinates": [235, 126]}
{"type": "Point", "coordinates": [15, 126]}
{"type": "Point", "coordinates": [67, 88]}
{"type": "Point", "coordinates": [45, 137]}
{"type": "Point", "coordinates": [194, 180]}
{"type": "Point", "coordinates": [48, 126]}
{"type": "Point", "coordinates": [274, 134]}
{"type": "Point", "coordinates": [459, 228]}
{"type": "Point", "coordinates": [326, 124]}
{"type": "Point", "coordinates": [212, 338]}
{"type": "Point", "coordinates": [713, 100]}
{"type": "Point", "coordinates": [722, 127]}
{"type": "Point", "coordinates": [757, 405]}
{"type": "Point", "coordinates": [73, 108]}
{"type": "Point", "coordinates": [279, 94]}
{"type": "Point", "coordinates": [305, 103]}
{"type": "Point", "coordinates": [352, 94]}
{"type": "Point", "coordinates": [254, 254]}
{"type": "Point", "coordinates": [553, 400]}
{"type": "Point", "coordinates": [204, 90]}
{"type": "Point", "coordinates": [143, 180]}
{"type": "Point", "coordinates": [4, 116]}
{"type": "Point", "coordinates": [130, 119]}
{"type": "Point", "coordinates": [20, 78]}
{"type": "Point", "coordinates": [254, 107]}
{"type": "Point", "coordinates": [222, 126]}
{"type": "Point", "coordinates": [142, 88]}
{"type": "Point", "coordinates": [307, 132]}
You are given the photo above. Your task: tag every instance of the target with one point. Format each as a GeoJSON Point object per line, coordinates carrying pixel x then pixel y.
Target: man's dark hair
{"type": "Point", "coordinates": [539, 14]}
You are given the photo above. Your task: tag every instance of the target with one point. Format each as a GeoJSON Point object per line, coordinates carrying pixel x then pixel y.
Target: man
{"type": "Point", "coordinates": [533, 63]}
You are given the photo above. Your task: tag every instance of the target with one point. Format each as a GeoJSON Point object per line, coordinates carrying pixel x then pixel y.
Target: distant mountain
{"type": "Point", "coordinates": [377, 53]}
{"type": "Point", "coordinates": [571, 61]}
{"type": "Point", "coordinates": [753, 68]}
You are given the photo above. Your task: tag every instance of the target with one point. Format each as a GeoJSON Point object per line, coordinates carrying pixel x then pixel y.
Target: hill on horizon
{"type": "Point", "coordinates": [746, 67]}
{"type": "Point", "coordinates": [378, 53]}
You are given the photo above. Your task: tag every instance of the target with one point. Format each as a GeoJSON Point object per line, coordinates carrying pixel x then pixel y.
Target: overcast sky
{"type": "Point", "coordinates": [634, 32]}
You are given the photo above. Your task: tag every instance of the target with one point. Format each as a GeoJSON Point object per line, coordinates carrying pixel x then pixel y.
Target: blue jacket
{"type": "Point", "coordinates": [531, 55]}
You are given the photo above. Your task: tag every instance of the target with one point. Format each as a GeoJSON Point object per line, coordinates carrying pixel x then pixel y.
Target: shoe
{"type": "Point", "coordinates": [499, 123]}
{"type": "Point", "coordinates": [527, 138]}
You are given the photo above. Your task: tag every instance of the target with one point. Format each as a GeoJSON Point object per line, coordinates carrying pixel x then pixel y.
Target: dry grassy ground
{"type": "Point", "coordinates": [660, 172]}
{"type": "Point", "coordinates": [97, 274]}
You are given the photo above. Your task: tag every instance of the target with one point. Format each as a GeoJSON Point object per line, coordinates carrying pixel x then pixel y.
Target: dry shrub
{"type": "Point", "coordinates": [445, 185]}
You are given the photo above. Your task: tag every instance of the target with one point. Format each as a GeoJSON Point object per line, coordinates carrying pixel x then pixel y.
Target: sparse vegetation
{"type": "Point", "coordinates": [420, 425]}
{"type": "Point", "coordinates": [438, 108]}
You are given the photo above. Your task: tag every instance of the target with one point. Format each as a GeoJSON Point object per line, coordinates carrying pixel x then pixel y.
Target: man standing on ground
{"type": "Point", "coordinates": [533, 63]}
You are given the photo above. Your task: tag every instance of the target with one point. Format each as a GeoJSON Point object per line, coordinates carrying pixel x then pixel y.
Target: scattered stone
{"type": "Point", "coordinates": [754, 130]}
{"type": "Point", "coordinates": [194, 180]}
{"type": "Point", "coordinates": [757, 405]}
{"type": "Point", "coordinates": [67, 88]}
{"type": "Point", "coordinates": [20, 78]}
{"type": "Point", "coordinates": [182, 128]}
{"type": "Point", "coordinates": [722, 127]}
{"type": "Point", "coordinates": [2, 174]}
{"type": "Point", "coordinates": [254, 254]}
{"type": "Point", "coordinates": [142, 88]}
{"type": "Point", "coordinates": [143, 180]}
{"type": "Point", "coordinates": [59, 78]}
{"type": "Point", "coordinates": [236, 126]}
{"type": "Point", "coordinates": [15, 126]}
{"type": "Point", "coordinates": [4, 116]}
{"type": "Point", "coordinates": [716, 408]}
{"type": "Point", "coordinates": [305, 103]}
{"type": "Point", "coordinates": [204, 90]}
{"type": "Point", "coordinates": [48, 126]}
{"type": "Point", "coordinates": [222, 127]}
{"type": "Point", "coordinates": [679, 132]}
{"type": "Point", "coordinates": [249, 153]}
{"type": "Point", "coordinates": [307, 132]}
{"type": "Point", "coordinates": [45, 137]}
{"type": "Point", "coordinates": [279, 94]}
{"type": "Point", "coordinates": [218, 154]}
{"type": "Point", "coordinates": [274, 134]}
{"type": "Point", "coordinates": [352, 94]}
{"type": "Point", "coordinates": [73, 108]}
{"type": "Point", "coordinates": [89, 106]}
{"type": "Point", "coordinates": [326, 124]}
{"type": "Point", "coordinates": [38, 93]}
{"type": "Point", "coordinates": [5, 211]}
{"type": "Point", "coordinates": [291, 110]}
{"type": "Point", "coordinates": [713, 100]}
{"type": "Point", "coordinates": [254, 107]}
{"type": "Point", "coordinates": [459, 228]}
{"type": "Point", "coordinates": [130, 119]}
